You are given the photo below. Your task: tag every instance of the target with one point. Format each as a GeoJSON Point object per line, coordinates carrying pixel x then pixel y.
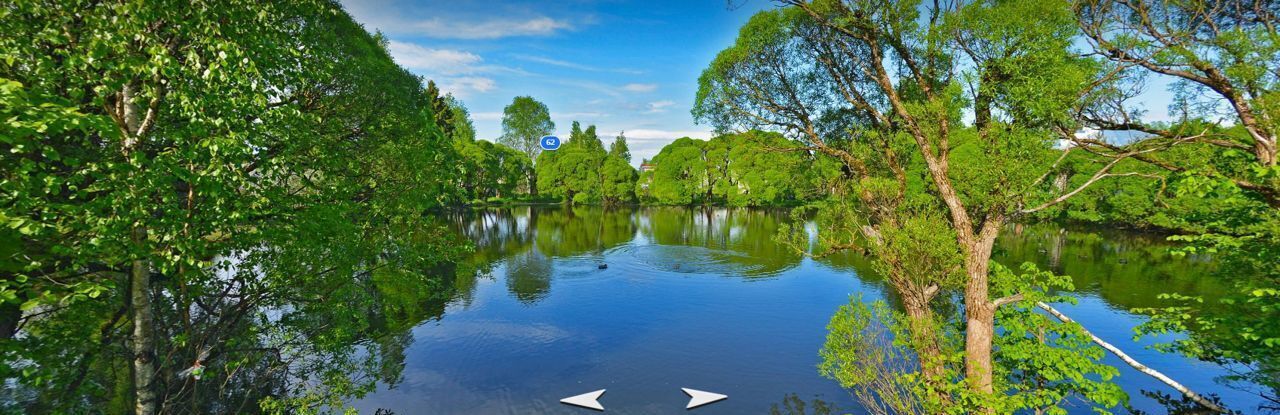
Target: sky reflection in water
{"type": "Point", "coordinates": [705, 299]}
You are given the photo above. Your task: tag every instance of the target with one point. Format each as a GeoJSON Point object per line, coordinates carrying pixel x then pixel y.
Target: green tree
{"type": "Point", "coordinates": [618, 181]}
{"type": "Point", "coordinates": [748, 169]}
{"type": "Point", "coordinates": [460, 126]}
{"type": "Point", "coordinates": [524, 122]}
{"type": "Point", "coordinates": [1224, 182]}
{"type": "Point", "coordinates": [168, 165]}
{"type": "Point", "coordinates": [582, 172]}
{"type": "Point", "coordinates": [619, 148]}
{"type": "Point", "coordinates": [443, 109]}
{"type": "Point", "coordinates": [679, 174]}
{"type": "Point", "coordinates": [488, 170]}
{"type": "Point", "coordinates": [509, 169]}
{"type": "Point", "coordinates": [880, 88]}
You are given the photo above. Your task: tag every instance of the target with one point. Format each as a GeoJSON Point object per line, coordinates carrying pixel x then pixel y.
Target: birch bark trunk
{"type": "Point", "coordinates": [142, 340]}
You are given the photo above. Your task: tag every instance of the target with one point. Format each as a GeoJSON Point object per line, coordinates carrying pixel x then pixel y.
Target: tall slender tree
{"type": "Point", "coordinates": [524, 122]}
{"type": "Point", "coordinates": [619, 147]}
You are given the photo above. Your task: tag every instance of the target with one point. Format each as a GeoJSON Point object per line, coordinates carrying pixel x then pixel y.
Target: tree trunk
{"type": "Point", "coordinates": [1264, 141]}
{"type": "Point", "coordinates": [10, 315]}
{"type": "Point", "coordinates": [925, 338]}
{"type": "Point", "coordinates": [1266, 151]}
{"type": "Point", "coordinates": [143, 341]}
{"type": "Point", "coordinates": [979, 310]}
{"type": "Point", "coordinates": [979, 334]}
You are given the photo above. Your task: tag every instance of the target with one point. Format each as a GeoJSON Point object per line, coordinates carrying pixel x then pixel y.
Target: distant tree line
{"type": "Point", "coordinates": [749, 169]}
{"type": "Point", "coordinates": [581, 171]}
{"type": "Point", "coordinates": [487, 171]}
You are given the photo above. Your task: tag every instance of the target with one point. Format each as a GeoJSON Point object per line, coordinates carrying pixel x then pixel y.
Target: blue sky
{"type": "Point", "coordinates": [622, 65]}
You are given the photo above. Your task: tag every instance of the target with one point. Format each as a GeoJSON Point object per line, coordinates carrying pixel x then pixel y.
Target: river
{"type": "Point", "coordinates": [705, 299]}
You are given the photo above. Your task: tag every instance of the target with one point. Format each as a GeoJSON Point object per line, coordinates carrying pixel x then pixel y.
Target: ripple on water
{"type": "Point", "coordinates": [702, 260]}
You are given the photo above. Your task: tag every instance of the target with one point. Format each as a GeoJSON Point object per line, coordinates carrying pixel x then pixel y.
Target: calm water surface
{"type": "Point", "coordinates": [704, 299]}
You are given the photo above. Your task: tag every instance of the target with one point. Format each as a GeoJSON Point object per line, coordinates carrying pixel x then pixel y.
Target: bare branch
{"type": "Point", "coordinates": [1006, 300]}
{"type": "Point", "coordinates": [1198, 398]}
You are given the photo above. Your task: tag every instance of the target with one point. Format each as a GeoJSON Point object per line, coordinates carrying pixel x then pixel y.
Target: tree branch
{"type": "Point", "coordinates": [1200, 399]}
{"type": "Point", "coordinates": [1006, 300]}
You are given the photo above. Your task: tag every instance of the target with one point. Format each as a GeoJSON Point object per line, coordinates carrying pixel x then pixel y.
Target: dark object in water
{"type": "Point", "coordinates": [603, 266]}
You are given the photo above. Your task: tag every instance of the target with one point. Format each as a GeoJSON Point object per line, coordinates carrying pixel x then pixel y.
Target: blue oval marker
{"type": "Point", "coordinates": [550, 142]}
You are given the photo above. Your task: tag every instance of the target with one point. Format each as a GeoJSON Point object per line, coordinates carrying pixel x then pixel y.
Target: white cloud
{"type": "Point", "coordinates": [573, 65]}
{"type": "Point", "coordinates": [639, 87]}
{"type": "Point", "coordinates": [646, 143]}
{"type": "Point", "coordinates": [442, 61]}
{"type": "Point", "coordinates": [457, 72]}
{"type": "Point", "coordinates": [464, 85]}
{"type": "Point", "coordinates": [581, 114]}
{"type": "Point", "coordinates": [488, 29]}
{"type": "Point", "coordinates": [668, 135]}
{"type": "Point", "coordinates": [660, 106]}
{"type": "Point", "coordinates": [615, 91]}
{"type": "Point", "coordinates": [597, 87]}
{"type": "Point", "coordinates": [554, 62]}
{"type": "Point", "coordinates": [486, 116]}
{"type": "Point", "coordinates": [405, 19]}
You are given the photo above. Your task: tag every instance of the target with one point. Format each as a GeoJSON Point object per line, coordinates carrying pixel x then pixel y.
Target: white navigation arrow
{"type": "Point", "coordinates": [698, 398]}
{"type": "Point", "coordinates": [586, 400]}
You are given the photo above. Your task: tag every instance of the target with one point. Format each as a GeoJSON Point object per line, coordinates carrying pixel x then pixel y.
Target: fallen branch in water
{"type": "Point", "coordinates": [1200, 399]}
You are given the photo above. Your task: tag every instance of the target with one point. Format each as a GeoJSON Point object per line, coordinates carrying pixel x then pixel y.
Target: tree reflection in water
{"type": "Point", "coordinates": [316, 315]}
{"type": "Point", "coordinates": [792, 404]}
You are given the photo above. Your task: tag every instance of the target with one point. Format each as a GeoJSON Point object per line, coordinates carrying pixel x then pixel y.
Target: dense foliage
{"type": "Point", "coordinates": [489, 171]}
{"type": "Point", "coordinates": [619, 147]}
{"type": "Point", "coordinates": [748, 169]}
{"type": "Point", "coordinates": [580, 171]}
{"type": "Point", "coordinates": [1214, 177]}
{"type": "Point", "coordinates": [524, 123]}
{"type": "Point", "coordinates": [883, 89]}
{"type": "Point", "coordinates": [944, 119]}
{"type": "Point", "coordinates": [186, 192]}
